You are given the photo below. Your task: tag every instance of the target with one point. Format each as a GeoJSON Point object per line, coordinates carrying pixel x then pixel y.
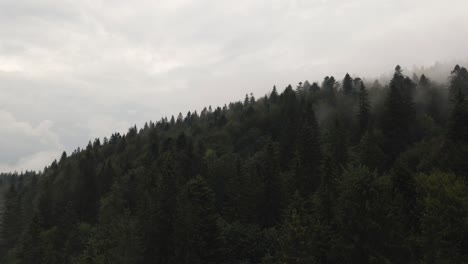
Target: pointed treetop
{"type": "Point", "coordinates": [63, 157]}
{"type": "Point", "coordinates": [246, 100]}
{"type": "Point", "coordinates": [274, 94]}
{"type": "Point", "coordinates": [423, 81]}
{"type": "Point", "coordinates": [398, 69]}
{"type": "Point", "coordinates": [347, 84]}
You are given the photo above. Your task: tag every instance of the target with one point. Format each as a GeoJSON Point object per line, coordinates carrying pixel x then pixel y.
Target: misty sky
{"type": "Point", "coordinates": [75, 70]}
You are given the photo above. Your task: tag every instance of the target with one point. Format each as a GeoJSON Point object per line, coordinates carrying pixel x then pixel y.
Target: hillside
{"type": "Point", "coordinates": [337, 172]}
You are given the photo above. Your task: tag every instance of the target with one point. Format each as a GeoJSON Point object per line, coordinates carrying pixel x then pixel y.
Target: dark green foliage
{"type": "Point", "coordinates": [307, 175]}
{"type": "Point", "coordinates": [443, 200]}
{"type": "Point", "coordinates": [370, 147]}
{"type": "Point", "coordinates": [398, 116]}
{"type": "Point", "coordinates": [457, 136]}
{"type": "Point", "coordinates": [195, 224]}
{"type": "Point", "coordinates": [347, 85]}
{"type": "Point", "coordinates": [363, 221]}
{"type": "Point", "coordinates": [458, 122]}
{"type": "Point", "coordinates": [364, 109]}
{"type": "Point", "coordinates": [11, 216]}
{"type": "Point", "coordinates": [309, 154]}
{"type": "Point", "coordinates": [330, 87]}
{"type": "Point", "coordinates": [458, 82]}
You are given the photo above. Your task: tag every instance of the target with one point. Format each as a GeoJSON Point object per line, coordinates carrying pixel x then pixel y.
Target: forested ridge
{"type": "Point", "coordinates": [338, 172]}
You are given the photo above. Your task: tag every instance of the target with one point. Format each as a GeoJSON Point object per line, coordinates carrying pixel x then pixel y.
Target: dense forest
{"type": "Point", "coordinates": [343, 171]}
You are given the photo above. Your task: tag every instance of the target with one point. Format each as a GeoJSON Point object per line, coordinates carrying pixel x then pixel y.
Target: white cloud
{"type": "Point", "coordinates": [24, 146]}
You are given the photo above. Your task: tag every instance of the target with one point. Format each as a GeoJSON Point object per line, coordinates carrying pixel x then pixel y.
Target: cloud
{"type": "Point", "coordinates": [95, 66]}
{"type": "Point", "coordinates": [25, 146]}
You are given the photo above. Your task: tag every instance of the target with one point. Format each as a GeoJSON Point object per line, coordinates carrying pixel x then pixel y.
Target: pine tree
{"type": "Point", "coordinates": [315, 87]}
{"type": "Point", "coordinates": [443, 201]}
{"type": "Point", "coordinates": [329, 87]}
{"type": "Point", "coordinates": [11, 217]}
{"type": "Point", "coordinates": [398, 115]}
{"type": "Point", "coordinates": [458, 123]}
{"type": "Point", "coordinates": [362, 218]}
{"type": "Point", "coordinates": [196, 230]}
{"type": "Point", "coordinates": [424, 82]}
{"type": "Point", "coordinates": [456, 146]}
{"type": "Point", "coordinates": [347, 85]}
{"type": "Point", "coordinates": [310, 154]}
{"type": "Point", "coordinates": [458, 82]}
{"type": "Point", "coordinates": [364, 109]}
{"type": "Point", "coordinates": [370, 147]}
{"type": "Point", "coordinates": [295, 241]}
{"type": "Point", "coordinates": [274, 95]}
{"type": "Point", "coordinates": [271, 200]}
{"type": "Point", "coordinates": [338, 142]}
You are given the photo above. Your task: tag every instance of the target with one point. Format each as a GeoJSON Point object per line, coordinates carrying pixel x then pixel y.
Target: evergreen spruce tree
{"type": "Point", "coordinates": [364, 109]}
{"type": "Point", "coordinates": [271, 197]}
{"type": "Point", "coordinates": [310, 154]}
{"type": "Point", "coordinates": [398, 116]}
{"type": "Point", "coordinates": [11, 217]}
{"type": "Point", "coordinates": [347, 85]}
{"type": "Point", "coordinates": [457, 136]}
{"type": "Point", "coordinates": [424, 82]}
{"type": "Point", "coordinates": [196, 229]}
{"type": "Point", "coordinates": [458, 82]}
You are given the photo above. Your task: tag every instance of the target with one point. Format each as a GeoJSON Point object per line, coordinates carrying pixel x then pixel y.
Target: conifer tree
{"type": "Point", "coordinates": [196, 230]}
{"type": "Point", "coordinates": [457, 136]}
{"type": "Point", "coordinates": [270, 205]}
{"type": "Point", "coordinates": [458, 123]}
{"type": "Point", "coordinates": [274, 95]}
{"type": "Point", "coordinates": [347, 85]}
{"type": "Point", "coordinates": [424, 82]}
{"type": "Point", "coordinates": [315, 87]}
{"type": "Point", "coordinates": [398, 115]}
{"type": "Point", "coordinates": [310, 154]}
{"type": "Point", "coordinates": [11, 217]}
{"type": "Point", "coordinates": [364, 109]}
{"type": "Point", "coordinates": [458, 82]}
{"type": "Point", "coordinates": [329, 87]}
{"type": "Point", "coordinates": [295, 241]}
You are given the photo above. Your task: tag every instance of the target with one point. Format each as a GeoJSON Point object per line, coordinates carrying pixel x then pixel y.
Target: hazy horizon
{"type": "Point", "coordinates": [73, 71]}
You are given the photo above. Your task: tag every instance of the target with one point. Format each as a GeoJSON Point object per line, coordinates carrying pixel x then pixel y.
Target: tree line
{"type": "Point", "coordinates": [337, 172]}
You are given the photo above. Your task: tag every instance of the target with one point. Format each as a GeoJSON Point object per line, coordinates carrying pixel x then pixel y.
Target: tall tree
{"type": "Point", "coordinates": [274, 95]}
{"type": "Point", "coordinates": [347, 85]}
{"type": "Point", "coordinates": [310, 154]}
{"type": "Point", "coordinates": [458, 82]}
{"type": "Point", "coordinates": [271, 197]}
{"type": "Point", "coordinates": [11, 217]}
{"type": "Point", "coordinates": [458, 123]}
{"type": "Point", "coordinates": [457, 136]}
{"type": "Point", "coordinates": [424, 82]}
{"type": "Point", "coordinates": [443, 199]}
{"type": "Point", "coordinates": [329, 87]}
{"type": "Point", "coordinates": [364, 109]}
{"type": "Point", "coordinates": [196, 230]}
{"type": "Point", "coordinates": [398, 115]}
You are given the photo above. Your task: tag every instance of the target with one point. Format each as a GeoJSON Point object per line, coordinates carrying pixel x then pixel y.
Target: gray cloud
{"type": "Point", "coordinates": [74, 70]}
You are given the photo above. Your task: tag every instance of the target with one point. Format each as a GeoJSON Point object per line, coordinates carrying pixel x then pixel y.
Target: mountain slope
{"type": "Point", "coordinates": [311, 175]}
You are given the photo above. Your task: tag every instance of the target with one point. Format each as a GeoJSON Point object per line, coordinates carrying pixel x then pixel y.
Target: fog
{"type": "Point", "coordinates": [71, 71]}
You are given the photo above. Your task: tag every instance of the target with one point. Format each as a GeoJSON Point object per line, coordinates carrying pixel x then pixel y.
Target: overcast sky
{"type": "Point", "coordinates": [75, 70]}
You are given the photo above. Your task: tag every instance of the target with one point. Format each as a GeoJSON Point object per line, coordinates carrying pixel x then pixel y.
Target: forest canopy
{"type": "Point", "coordinates": [342, 171]}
